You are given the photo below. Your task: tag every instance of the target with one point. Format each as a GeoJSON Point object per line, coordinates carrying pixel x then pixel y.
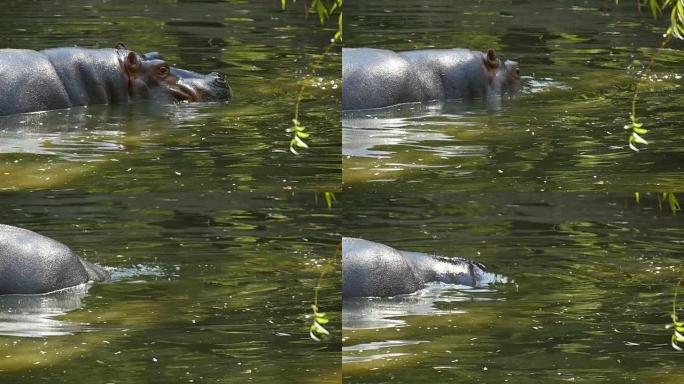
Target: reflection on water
{"type": "Point", "coordinates": [34, 315]}
{"type": "Point", "coordinates": [376, 347]}
{"type": "Point", "coordinates": [379, 134]}
{"type": "Point", "coordinates": [376, 312]}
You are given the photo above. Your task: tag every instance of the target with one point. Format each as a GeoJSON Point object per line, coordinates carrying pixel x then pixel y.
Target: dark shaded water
{"type": "Point", "coordinates": [242, 146]}
{"type": "Point", "coordinates": [208, 288]}
{"type": "Point", "coordinates": [593, 281]}
{"type": "Point", "coordinates": [565, 133]}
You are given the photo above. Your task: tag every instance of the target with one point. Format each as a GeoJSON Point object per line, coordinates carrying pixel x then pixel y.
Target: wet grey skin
{"type": "Point", "coordinates": [374, 269]}
{"type": "Point", "coordinates": [376, 78]}
{"type": "Point", "coordinates": [31, 263]}
{"type": "Point", "coordinates": [60, 78]}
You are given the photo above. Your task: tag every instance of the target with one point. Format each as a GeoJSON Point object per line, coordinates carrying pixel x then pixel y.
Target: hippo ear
{"type": "Point", "coordinates": [132, 62]}
{"type": "Point", "coordinates": [490, 60]}
{"type": "Point", "coordinates": [121, 46]}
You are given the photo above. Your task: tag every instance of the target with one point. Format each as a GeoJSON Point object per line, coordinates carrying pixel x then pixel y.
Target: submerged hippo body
{"type": "Point", "coordinates": [31, 264]}
{"type": "Point", "coordinates": [60, 78]}
{"type": "Point", "coordinates": [376, 78]}
{"type": "Point", "coordinates": [374, 269]}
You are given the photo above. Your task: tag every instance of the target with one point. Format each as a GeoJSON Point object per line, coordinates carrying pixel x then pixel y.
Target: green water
{"type": "Point", "coordinates": [565, 133]}
{"type": "Point", "coordinates": [265, 54]}
{"type": "Point", "coordinates": [591, 293]}
{"type": "Point", "coordinates": [227, 302]}
{"type": "Point", "coordinates": [217, 235]}
{"type": "Point", "coordinates": [212, 283]}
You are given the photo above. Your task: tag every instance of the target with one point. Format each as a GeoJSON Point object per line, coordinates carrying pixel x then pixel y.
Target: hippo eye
{"type": "Point", "coordinates": [163, 71]}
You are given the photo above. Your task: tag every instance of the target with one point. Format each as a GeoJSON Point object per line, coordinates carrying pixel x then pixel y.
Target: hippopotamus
{"type": "Point", "coordinates": [31, 263]}
{"type": "Point", "coordinates": [376, 78]}
{"type": "Point", "coordinates": [60, 78]}
{"type": "Point", "coordinates": [374, 269]}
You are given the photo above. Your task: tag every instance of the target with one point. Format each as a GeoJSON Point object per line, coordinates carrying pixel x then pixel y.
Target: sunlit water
{"type": "Point", "coordinates": [564, 133]}
{"type": "Point", "coordinates": [240, 146]}
{"type": "Point", "coordinates": [590, 295]}
{"type": "Point", "coordinates": [33, 315]}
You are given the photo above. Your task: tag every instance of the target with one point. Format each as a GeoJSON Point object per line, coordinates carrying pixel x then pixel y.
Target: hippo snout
{"type": "Point", "coordinates": [211, 87]}
{"type": "Point", "coordinates": [511, 82]}
{"type": "Point", "coordinates": [219, 79]}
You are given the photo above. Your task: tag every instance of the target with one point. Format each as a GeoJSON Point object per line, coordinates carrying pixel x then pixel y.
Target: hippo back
{"type": "Point", "coordinates": [29, 83]}
{"type": "Point", "coordinates": [89, 76]}
{"type": "Point", "coordinates": [375, 78]}
{"type": "Point", "coordinates": [32, 263]}
{"type": "Point", "coordinates": [373, 269]}
{"type": "Point", "coordinates": [449, 74]}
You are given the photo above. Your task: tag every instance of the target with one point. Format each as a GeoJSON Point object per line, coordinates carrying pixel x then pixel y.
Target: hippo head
{"type": "Point", "coordinates": [456, 270]}
{"type": "Point", "coordinates": [150, 77]}
{"type": "Point", "coordinates": [504, 76]}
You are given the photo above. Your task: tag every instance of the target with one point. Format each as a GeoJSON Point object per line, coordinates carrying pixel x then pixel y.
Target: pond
{"type": "Point", "coordinates": [215, 233]}
{"type": "Point", "coordinates": [564, 133]}
{"type": "Point", "coordinates": [592, 282]}
{"type": "Point", "coordinates": [207, 288]}
{"type": "Point", "coordinates": [265, 53]}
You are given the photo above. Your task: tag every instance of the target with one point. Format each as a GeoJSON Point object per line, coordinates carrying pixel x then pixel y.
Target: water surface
{"type": "Point", "coordinates": [593, 277]}
{"type": "Point", "coordinates": [565, 133]}
{"type": "Point", "coordinates": [241, 146]}
{"type": "Point", "coordinates": [207, 287]}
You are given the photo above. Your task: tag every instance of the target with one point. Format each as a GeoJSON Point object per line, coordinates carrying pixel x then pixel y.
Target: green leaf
{"type": "Point", "coordinates": [313, 337]}
{"type": "Point", "coordinates": [319, 329]}
{"type": "Point", "coordinates": [320, 10]}
{"type": "Point", "coordinates": [674, 207]}
{"type": "Point", "coordinates": [638, 139]}
{"type": "Point", "coordinates": [292, 149]}
{"type": "Point", "coordinates": [641, 131]}
{"type": "Point", "coordinates": [636, 197]}
{"type": "Point", "coordinates": [329, 198]}
{"type": "Point", "coordinates": [678, 337]}
{"type": "Point", "coordinates": [299, 142]}
{"type": "Point", "coordinates": [655, 8]}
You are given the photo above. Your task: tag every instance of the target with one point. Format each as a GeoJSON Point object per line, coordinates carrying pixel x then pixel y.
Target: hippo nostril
{"type": "Point", "coordinates": [219, 80]}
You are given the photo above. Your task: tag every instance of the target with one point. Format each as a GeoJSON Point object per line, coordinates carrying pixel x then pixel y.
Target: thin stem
{"type": "Point", "coordinates": [674, 299]}
{"type": "Point", "coordinates": [317, 63]}
{"type": "Point", "coordinates": [648, 69]}
{"type": "Point", "coordinates": [338, 252]}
